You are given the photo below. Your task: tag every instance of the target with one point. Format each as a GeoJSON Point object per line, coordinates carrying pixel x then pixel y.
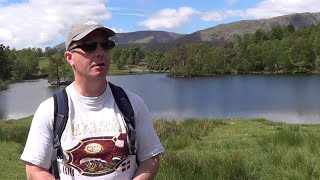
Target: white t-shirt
{"type": "Point", "coordinates": [94, 141]}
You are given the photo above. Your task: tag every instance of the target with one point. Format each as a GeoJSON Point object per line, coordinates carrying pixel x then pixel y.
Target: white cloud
{"type": "Point", "coordinates": [265, 9]}
{"type": "Point", "coordinates": [36, 23]}
{"type": "Point", "coordinates": [219, 15]}
{"type": "Point", "coordinates": [39, 23]}
{"type": "Point", "coordinates": [118, 30]}
{"type": "Point", "coordinates": [272, 8]}
{"type": "Point", "coordinates": [5, 35]}
{"type": "Point", "coordinates": [169, 18]}
{"type": "Point", "coordinates": [213, 16]}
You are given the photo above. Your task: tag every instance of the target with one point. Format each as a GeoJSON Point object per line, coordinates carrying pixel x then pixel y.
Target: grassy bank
{"type": "Point", "coordinates": [208, 149]}
{"type": "Point", "coordinates": [131, 69]}
{"type": "Point", "coordinates": [239, 149]}
{"type": "Point", "coordinates": [44, 62]}
{"type": "Point", "coordinates": [113, 70]}
{"type": "Point", "coordinates": [13, 135]}
{"type": "Point", "coordinates": [4, 84]}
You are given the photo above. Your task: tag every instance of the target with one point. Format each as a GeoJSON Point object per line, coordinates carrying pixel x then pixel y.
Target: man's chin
{"type": "Point", "coordinates": [99, 75]}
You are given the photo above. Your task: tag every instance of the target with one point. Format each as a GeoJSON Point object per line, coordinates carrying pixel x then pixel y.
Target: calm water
{"type": "Point", "coordinates": [293, 99]}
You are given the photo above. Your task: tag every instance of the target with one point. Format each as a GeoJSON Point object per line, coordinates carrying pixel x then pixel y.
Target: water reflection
{"type": "Point", "coordinates": [3, 102]}
{"type": "Point", "coordinates": [292, 99]}
{"type": "Point", "coordinates": [280, 98]}
{"type": "Point", "coordinates": [22, 99]}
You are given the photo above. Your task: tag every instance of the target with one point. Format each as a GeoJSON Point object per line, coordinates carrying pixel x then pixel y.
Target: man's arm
{"type": "Point", "coordinates": [37, 173]}
{"type": "Point", "coordinates": [147, 169]}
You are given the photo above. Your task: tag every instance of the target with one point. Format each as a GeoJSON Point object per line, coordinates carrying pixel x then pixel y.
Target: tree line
{"type": "Point", "coordinates": [279, 50]}
{"type": "Point", "coordinates": [18, 64]}
{"type": "Point", "coordinates": [26, 64]}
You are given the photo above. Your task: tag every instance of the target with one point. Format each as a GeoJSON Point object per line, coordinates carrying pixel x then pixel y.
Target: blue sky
{"type": "Point", "coordinates": [140, 10]}
{"type": "Point", "coordinates": [42, 23]}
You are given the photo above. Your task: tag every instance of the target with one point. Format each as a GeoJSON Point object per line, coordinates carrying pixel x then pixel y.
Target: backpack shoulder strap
{"type": "Point", "coordinates": [60, 114]}
{"type": "Point", "coordinates": [61, 111]}
{"type": "Point", "coordinates": [125, 107]}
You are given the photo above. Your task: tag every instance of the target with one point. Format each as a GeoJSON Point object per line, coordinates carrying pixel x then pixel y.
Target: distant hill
{"type": "Point", "coordinates": [146, 37]}
{"type": "Point", "coordinates": [214, 34]}
{"type": "Point", "coordinates": [227, 31]}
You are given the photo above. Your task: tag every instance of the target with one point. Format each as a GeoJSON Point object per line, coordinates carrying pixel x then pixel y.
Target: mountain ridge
{"type": "Point", "coordinates": [213, 35]}
{"type": "Point", "coordinates": [227, 31]}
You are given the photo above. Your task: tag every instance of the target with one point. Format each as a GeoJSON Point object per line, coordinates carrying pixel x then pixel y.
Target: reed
{"type": "Point", "coordinates": [207, 149]}
{"type": "Point", "coordinates": [238, 149]}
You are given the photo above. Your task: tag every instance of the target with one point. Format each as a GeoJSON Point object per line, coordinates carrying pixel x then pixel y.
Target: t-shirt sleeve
{"type": "Point", "coordinates": [39, 145]}
{"type": "Point", "coordinates": [147, 141]}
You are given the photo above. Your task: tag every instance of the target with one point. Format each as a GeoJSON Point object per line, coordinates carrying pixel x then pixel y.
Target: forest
{"type": "Point", "coordinates": [279, 50]}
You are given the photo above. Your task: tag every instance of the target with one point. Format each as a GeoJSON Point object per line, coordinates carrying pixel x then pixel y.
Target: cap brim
{"type": "Point", "coordinates": [108, 32]}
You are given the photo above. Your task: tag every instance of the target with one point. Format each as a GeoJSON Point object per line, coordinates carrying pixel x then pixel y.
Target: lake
{"type": "Point", "coordinates": [292, 99]}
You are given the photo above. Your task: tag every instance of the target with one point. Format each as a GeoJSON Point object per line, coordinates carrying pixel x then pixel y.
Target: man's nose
{"type": "Point", "coordinates": [100, 50]}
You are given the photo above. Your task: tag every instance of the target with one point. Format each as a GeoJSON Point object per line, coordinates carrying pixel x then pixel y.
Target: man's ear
{"type": "Point", "coordinates": [68, 56]}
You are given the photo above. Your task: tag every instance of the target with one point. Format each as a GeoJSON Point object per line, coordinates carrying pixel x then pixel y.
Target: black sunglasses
{"type": "Point", "coordinates": [90, 46]}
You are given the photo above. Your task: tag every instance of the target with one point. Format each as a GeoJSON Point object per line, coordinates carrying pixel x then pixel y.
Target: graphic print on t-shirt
{"type": "Point", "coordinates": [98, 156]}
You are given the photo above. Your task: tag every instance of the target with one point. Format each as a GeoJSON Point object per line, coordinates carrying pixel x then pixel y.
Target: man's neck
{"type": "Point", "coordinates": [90, 87]}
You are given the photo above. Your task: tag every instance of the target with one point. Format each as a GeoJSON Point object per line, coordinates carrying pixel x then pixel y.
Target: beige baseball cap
{"type": "Point", "coordinates": [80, 30]}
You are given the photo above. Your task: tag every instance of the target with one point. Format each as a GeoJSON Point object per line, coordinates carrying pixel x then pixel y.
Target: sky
{"type": "Point", "coordinates": [43, 23]}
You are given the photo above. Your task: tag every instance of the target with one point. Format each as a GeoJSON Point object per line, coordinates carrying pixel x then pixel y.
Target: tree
{"type": "Point", "coordinates": [115, 55]}
{"type": "Point", "coordinates": [123, 58]}
{"type": "Point", "coordinates": [283, 58]}
{"type": "Point", "coordinates": [290, 28]}
{"type": "Point", "coordinates": [302, 55]}
{"type": "Point", "coordinates": [260, 36]}
{"type": "Point", "coordinates": [138, 57]}
{"type": "Point", "coordinates": [58, 69]}
{"type": "Point", "coordinates": [25, 64]}
{"type": "Point", "coordinates": [39, 52]}
{"type": "Point", "coordinates": [276, 33]}
{"type": "Point", "coordinates": [56, 60]}
{"type": "Point", "coordinates": [214, 61]}
{"type": "Point", "coordinates": [316, 39]}
{"type": "Point", "coordinates": [317, 63]}
{"type": "Point", "coordinates": [255, 58]}
{"type": "Point", "coordinates": [155, 60]}
{"type": "Point", "coordinates": [48, 51]}
{"type": "Point", "coordinates": [131, 57]}
{"type": "Point", "coordinates": [5, 64]}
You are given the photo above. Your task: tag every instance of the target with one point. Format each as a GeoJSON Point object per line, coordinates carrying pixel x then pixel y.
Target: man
{"type": "Point", "coordinates": [94, 141]}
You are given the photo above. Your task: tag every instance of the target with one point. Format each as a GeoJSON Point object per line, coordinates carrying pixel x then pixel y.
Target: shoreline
{"type": "Point", "coordinates": [4, 84]}
{"type": "Point", "coordinates": [250, 73]}
{"type": "Point", "coordinates": [178, 120]}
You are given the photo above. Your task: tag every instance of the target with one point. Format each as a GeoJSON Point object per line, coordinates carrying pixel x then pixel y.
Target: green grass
{"type": "Point", "coordinates": [15, 130]}
{"type": "Point", "coordinates": [4, 84]}
{"type": "Point", "coordinates": [43, 63]}
{"type": "Point", "coordinates": [11, 166]}
{"type": "Point", "coordinates": [207, 149]}
{"type": "Point", "coordinates": [238, 149]}
{"type": "Point", "coordinates": [134, 69]}
{"type": "Point", "coordinates": [113, 70]}
{"type": "Point", "coordinates": [13, 135]}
